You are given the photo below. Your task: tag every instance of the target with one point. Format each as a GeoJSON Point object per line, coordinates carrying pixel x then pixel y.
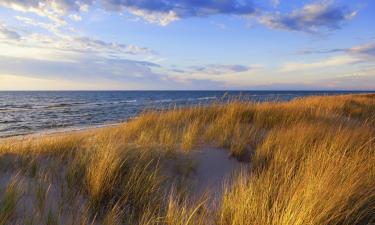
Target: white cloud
{"type": "Point", "coordinates": [330, 62]}
{"type": "Point", "coordinates": [275, 3]}
{"type": "Point", "coordinates": [51, 27]}
{"type": "Point", "coordinates": [161, 18]}
{"type": "Point", "coordinates": [75, 17]}
{"type": "Point", "coordinates": [63, 47]}
{"type": "Point", "coordinates": [55, 10]}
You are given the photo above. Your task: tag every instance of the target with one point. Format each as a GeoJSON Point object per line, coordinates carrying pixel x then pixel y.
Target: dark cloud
{"type": "Point", "coordinates": [86, 44]}
{"type": "Point", "coordinates": [181, 8]}
{"type": "Point", "coordinates": [367, 49]}
{"type": "Point", "coordinates": [310, 18]}
{"type": "Point", "coordinates": [238, 68]}
{"type": "Point", "coordinates": [185, 8]}
{"type": "Point", "coordinates": [364, 50]}
{"type": "Point", "coordinates": [8, 34]}
{"type": "Point", "coordinates": [178, 71]}
{"type": "Point", "coordinates": [219, 69]}
{"type": "Point", "coordinates": [320, 51]}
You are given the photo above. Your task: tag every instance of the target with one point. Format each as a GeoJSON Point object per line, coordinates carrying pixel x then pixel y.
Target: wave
{"type": "Point", "coordinates": [130, 101]}
{"type": "Point", "coordinates": [15, 108]}
{"type": "Point", "coordinates": [59, 105]}
{"type": "Point", "coordinates": [207, 98]}
{"type": "Point", "coordinates": [124, 101]}
{"type": "Point", "coordinates": [163, 100]}
{"type": "Point", "coordinates": [9, 121]}
{"type": "Point", "coordinates": [183, 99]}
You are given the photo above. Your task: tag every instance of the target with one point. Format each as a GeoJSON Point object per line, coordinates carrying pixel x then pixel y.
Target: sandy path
{"type": "Point", "coordinates": [213, 168]}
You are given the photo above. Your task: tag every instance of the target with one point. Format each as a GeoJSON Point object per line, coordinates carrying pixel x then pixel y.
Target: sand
{"type": "Point", "coordinates": [214, 167]}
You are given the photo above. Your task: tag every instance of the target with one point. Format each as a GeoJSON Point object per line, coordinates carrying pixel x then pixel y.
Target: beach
{"type": "Point", "coordinates": [304, 161]}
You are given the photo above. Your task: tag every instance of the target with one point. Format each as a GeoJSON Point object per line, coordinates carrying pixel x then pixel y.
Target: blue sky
{"type": "Point", "coordinates": [187, 44]}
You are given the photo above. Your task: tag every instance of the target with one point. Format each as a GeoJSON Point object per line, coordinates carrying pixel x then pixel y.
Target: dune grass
{"type": "Point", "coordinates": [324, 176]}
{"type": "Point", "coordinates": [312, 162]}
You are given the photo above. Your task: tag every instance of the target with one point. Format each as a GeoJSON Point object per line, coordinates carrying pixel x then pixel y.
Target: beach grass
{"type": "Point", "coordinates": [311, 161]}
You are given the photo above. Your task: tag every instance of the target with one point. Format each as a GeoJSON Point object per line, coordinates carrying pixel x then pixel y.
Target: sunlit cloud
{"type": "Point", "coordinates": [52, 9]}
{"type": "Point", "coordinates": [51, 27]}
{"type": "Point", "coordinates": [26, 44]}
{"type": "Point", "coordinates": [330, 62]}
{"type": "Point", "coordinates": [357, 54]}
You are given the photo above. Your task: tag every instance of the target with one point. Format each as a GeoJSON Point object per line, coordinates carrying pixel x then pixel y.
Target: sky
{"type": "Point", "coordinates": [187, 45]}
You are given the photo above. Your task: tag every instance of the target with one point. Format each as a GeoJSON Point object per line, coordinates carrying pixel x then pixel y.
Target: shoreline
{"type": "Point", "coordinates": [34, 126]}
{"type": "Point", "coordinates": [88, 128]}
{"type": "Point", "coordinates": [51, 132]}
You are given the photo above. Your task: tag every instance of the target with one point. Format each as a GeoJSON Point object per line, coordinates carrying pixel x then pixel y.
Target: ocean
{"type": "Point", "coordinates": [27, 112]}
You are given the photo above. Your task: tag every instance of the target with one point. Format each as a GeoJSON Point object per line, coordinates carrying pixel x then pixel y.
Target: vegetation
{"type": "Point", "coordinates": [311, 162]}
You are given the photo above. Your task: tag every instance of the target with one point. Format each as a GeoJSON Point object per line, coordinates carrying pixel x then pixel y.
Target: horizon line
{"type": "Point", "coordinates": [318, 90]}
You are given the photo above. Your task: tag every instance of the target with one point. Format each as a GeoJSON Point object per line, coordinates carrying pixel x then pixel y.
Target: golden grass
{"type": "Point", "coordinates": [307, 174]}
{"type": "Point", "coordinates": [8, 202]}
{"type": "Point", "coordinates": [312, 162]}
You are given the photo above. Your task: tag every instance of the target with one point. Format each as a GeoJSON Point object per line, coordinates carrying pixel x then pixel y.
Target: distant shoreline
{"type": "Point", "coordinates": [51, 132]}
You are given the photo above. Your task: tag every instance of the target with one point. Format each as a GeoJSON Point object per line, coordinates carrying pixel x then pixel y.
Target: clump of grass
{"type": "Point", "coordinates": [113, 216]}
{"type": "Point", "coordinates": [181, 212]}
{"type": "Point", "coordinates": [102, 172]}
{"type": "Point", "coordinates": [51, 218]}
{"type": "Point", "coordinates": [191, 135]}
{"type": "Point", "coordinates": [8, 202]}
{"type": "Point", "coordinates": [42, 191]}
{"type": "Point", "coordinates": [307, 174]}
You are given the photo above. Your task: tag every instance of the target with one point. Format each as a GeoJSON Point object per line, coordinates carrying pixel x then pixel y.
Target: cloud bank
{"type": "Point", "coordinates": [52, 9]}
{"type": "Point", "coordinates": [308, 18]}
{"type": "Point", "coordinates": [155, 11]}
